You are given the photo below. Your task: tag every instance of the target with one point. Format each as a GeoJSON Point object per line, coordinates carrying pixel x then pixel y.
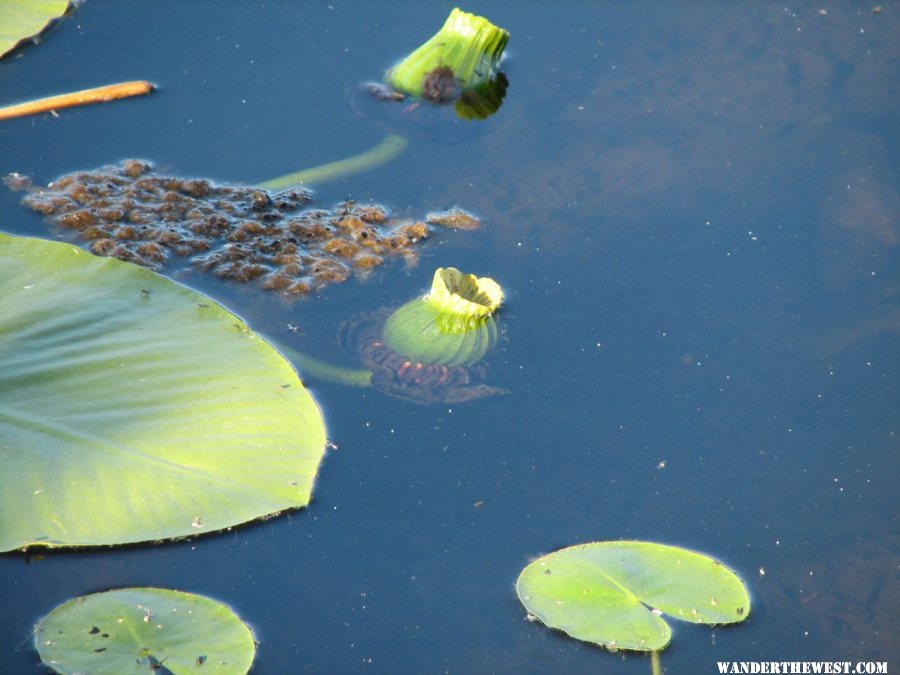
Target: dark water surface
{"type": "Point", "coordinates": [695, 212]}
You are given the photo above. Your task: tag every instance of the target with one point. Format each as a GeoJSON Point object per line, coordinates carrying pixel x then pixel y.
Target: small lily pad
{"type": "Point", "coordinates": [23, 19]}
{"type": "Point", "coordinates": [614, 593]}
{"type": "Point", "coordinates": [133, 409]}
{"type": "Point", "coordinates": [144, 630]}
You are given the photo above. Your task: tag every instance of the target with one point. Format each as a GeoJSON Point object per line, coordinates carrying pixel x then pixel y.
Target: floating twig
{"type": "Point", "coordinates": [102, 94]}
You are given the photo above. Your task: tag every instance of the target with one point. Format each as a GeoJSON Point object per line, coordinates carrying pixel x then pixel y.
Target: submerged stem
{"type": "Point", "coordinates": [320, 370]}
{"type": "Point", "coordinates": [389, 147]}
{"type": "Point", "coordinates": [655, 668]}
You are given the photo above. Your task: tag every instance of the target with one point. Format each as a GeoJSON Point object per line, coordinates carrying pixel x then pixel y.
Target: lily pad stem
{"type": "Point", "coordinates": [655, 668]}
{"type": "Point", "coordinates": [389, 147]}
{"type": "Point", "coordinates": [313, 367]}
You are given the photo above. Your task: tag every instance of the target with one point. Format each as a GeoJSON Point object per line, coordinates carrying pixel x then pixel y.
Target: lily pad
{"type": "Point", "coordinates": [144, 630]}
{"type": "Point", "coordinates": [613, 593]}
{"type": "Point", "coordinates": [23, 19]}
{"type": "Point", "coordinates": [134, 409]}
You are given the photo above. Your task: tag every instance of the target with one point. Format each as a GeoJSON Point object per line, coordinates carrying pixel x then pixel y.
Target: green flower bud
{"type": "Point", "coordinates": [452, 325]}
{"type": "Point", "coordinates": [461, 56]}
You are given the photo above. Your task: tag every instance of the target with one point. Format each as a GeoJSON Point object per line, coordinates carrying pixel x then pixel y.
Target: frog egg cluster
{"type": "Point", "coordinates": [244, 234]}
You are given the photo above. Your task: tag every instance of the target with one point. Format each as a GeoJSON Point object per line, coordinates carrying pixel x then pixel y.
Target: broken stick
{"type": "Point", "coordinates": [108, 92]}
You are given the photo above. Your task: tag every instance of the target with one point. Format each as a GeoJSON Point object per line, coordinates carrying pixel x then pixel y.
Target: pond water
{"type": "Point", "coordinates": [695, 213]}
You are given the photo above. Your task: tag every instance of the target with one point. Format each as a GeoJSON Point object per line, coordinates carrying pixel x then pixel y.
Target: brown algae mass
{"type": "Point", "coordinates": [454, 218]}
{"type": "Point", "coordinates": [244, 234]}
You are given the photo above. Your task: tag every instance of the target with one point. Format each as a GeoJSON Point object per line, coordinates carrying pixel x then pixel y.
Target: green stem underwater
{"type": "Point", "coordinates": [389, 147]}
{"type": "Point", "coordinates": [310, 366]}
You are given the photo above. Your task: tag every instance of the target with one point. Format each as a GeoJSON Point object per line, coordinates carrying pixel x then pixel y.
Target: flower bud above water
{"type": "Point", "coordinates": [452, 325]}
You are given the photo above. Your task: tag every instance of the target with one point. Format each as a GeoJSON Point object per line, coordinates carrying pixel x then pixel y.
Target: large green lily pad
{"type": "Point", "coordinates": [134, 409]}
{"type": "Point", "coordinates": [144, 630]}
{"type": "Point", "coordinates": [23, 19]}
{"type": "Point", "coordinates": [613, 593]}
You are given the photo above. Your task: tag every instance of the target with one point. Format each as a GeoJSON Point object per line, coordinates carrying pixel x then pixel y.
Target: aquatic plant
{"type": "Point", "coordinates": [426, 351]}
{"type": "Point", "coordinates": [22, 20]}
{"type": "Point", "coordinates": [462, 57]}
{"type": "Point", "coordinates": [133, 409]}
{"type": "Point", "coordinates": [451, 325]}
{"type": "Point", "coordinates": [152, 630]}
{"type": "Point", "coordinates": [614, 593]}
{"type": "Point", "coordinates": [459, 65]}
{"type": "Point", "coordinates": [388, 148]}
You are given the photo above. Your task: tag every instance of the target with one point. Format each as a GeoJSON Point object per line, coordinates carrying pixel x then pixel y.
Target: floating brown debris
{"type": "Point", "coordinates": [17, 182]}
{"type": "Point", "coordinates": [454, 218]}
{"type": "Point", "coordinates": [441, 85]}
{"type": "Point", "coordinates": [243, 234]}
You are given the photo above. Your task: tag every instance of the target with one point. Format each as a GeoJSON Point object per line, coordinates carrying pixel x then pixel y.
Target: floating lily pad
{"type": "Point", "coordinates": [134, 409]}
{"type": "Point", "coordinates": [613, 593]}
{"type": "Point", "coordinates": [144, 630]}
{"type": "Point", "coordinates": [23, 19]}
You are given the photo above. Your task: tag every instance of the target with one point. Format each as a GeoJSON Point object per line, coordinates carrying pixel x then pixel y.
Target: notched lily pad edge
{"type": "Point", "coordinates": [613, 647]}
{"type": "Point", "coordinates": [36, 38]}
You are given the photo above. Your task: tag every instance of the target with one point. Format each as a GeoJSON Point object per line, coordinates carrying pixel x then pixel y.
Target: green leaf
{"type": "Point", "coordinates": [23, 19]}
{"type": "Point", "coordinates": [144, 630]}
{"type": "Point", "coordinates": [133, 409]}
{"type": "Point", "coordinates": [612, 593]}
